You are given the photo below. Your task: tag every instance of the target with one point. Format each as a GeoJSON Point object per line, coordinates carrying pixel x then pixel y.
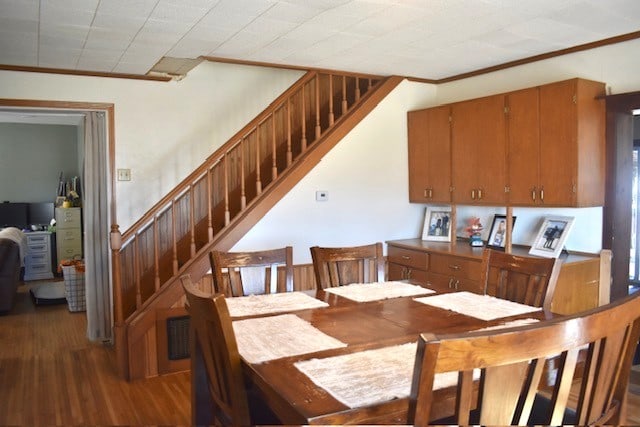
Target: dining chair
{"type": "Point", "coordinates": [243, 273]}
{"type": "Point", "coordinates": [511, 362]}
{"type": "Point", "coordinates": [220, 397]}
{"type": "Point", "coordinates": [342, 266]}
{"type": "Point", "coordinates": [523, 279]}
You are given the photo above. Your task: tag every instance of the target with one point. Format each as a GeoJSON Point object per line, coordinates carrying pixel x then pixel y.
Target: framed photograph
{"type": "Point", "coordinates": [498, 234]}
{"type": "Point", "coordinates": [437, 224]}
{"type": "Point", "coordinates": [551, 237]}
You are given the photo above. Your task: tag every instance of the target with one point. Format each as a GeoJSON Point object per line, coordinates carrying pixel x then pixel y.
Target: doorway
{"type": "Point", "coordinates": [618, 226]}
{"type": "Point", "coordinates": [634, 255]}
{"type": "Point", "coordinates": [97, 120]}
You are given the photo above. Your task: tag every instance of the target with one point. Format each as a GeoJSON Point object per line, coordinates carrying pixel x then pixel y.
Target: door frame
{"type": "Point", "coordinates": [44, 106]}
{"type": "Point", "coordinates": [616, 227]}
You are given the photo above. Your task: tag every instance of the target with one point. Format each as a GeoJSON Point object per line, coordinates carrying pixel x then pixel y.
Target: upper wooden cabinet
{"type": "Point", "coordinates": [572, 143]}
{"type": "Point", "coordinates": [541, 146]}
{"type": "Point", "coordinates": [478, 151]}
{"type": "Point", "coordinates": [555, 139]}
{"type": "Point", "coordinates": [523, 140]}
{"type": "Point", "coordinates": [429, 155]}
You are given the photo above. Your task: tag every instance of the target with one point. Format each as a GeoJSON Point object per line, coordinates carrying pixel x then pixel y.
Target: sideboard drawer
{"type": "Point", "coordinates": [459, 267]}
{"type": "Point", "coordinates": [407, 257]}
{"type": "Point", "coordinates": [449, 282]}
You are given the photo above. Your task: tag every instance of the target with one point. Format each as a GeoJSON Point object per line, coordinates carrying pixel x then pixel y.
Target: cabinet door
{"type": "Point", "coordinates": [429, 155]}
{"type": "Point", "coordinates": [558, 143]}
{"type": "Point", "coordinates": [523, 147]}
{"type": "Point", "coordinates": [478, 151]}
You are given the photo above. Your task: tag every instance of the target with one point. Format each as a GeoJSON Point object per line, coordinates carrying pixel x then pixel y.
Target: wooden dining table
{"type": "Point", "coordinates": [296, 399]}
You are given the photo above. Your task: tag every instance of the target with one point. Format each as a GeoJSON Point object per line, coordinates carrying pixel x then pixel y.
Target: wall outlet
{"type": "Point", "coordinates": [322, 196]}
{"type": "Point", "coordinates": [124, 174]}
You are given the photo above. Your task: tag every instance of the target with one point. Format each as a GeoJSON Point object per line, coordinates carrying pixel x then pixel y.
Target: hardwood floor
{"type": "Point", "coordinates": [50, 374]}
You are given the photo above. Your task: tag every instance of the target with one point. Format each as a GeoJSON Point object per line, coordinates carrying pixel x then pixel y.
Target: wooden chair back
{"type": "Point", "coordinates": [342, 266]}
{"type": "Point", "coordinates": [522, 279]}
{"type": "Point", "coordinates": [511, 362]}
{"type": "Point", "coordinates": [243, 273]}
{"type": "Point", "coordinates": [213, 345]}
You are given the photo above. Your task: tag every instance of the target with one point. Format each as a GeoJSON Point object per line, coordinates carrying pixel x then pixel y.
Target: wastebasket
{"type": "Point", "coordinates": [74, 286]}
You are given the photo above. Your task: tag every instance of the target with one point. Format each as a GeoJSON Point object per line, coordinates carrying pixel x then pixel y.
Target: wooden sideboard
{"type": "Point", "coordinates": [458, 266]}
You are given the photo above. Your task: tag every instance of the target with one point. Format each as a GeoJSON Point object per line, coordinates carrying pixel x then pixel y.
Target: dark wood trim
{"type": "Point", "coordinates": [288, 67]}
{"type": "Point", "coordinates": [46, 70]}
{"type": "Point", "coordinates": [616, 227]}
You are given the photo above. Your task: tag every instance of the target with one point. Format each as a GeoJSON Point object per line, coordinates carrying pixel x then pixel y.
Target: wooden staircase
{"type": "Point", "coordinates": [223, 198]}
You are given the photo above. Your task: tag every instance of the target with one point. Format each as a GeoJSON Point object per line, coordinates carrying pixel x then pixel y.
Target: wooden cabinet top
{"type": "Point", "coordinates": [463, 249]}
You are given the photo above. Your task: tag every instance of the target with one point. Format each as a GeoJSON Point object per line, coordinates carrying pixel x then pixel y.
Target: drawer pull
{"type": "Point", "coordinates": [454, 267]}
{"type": "Point", "coordinates": [406, 257]}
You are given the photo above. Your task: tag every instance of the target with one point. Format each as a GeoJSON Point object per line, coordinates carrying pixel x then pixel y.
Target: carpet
{"type": "Point", "coordinates": [48, 293]}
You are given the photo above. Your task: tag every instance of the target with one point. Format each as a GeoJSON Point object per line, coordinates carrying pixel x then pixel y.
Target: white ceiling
{"type": "Point", "coordinates": [429, 39]}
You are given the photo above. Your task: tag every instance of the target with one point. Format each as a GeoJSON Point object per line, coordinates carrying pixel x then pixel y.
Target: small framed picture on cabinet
{"type": "Point", "coordinates": [551, 236]}
{"type": "Point", "coordinates": [498, 234]}
{"type": "Point", "coordinates": [437, 224]}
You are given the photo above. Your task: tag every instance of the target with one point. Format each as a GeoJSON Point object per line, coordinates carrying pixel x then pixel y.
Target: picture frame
{"type": "Point", "coordinates": [437, 224]}
{"type": "Point", "coordinates": [551, 236]}
{"type": "Point", "coordinates": [59, 201]}
{"type": "Point", "coordinates": [498, 232]}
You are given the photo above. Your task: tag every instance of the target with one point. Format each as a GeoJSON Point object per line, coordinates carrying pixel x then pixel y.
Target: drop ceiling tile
{"type": "Point", "coordinates": [101, 38]}
{"type": "Point", "coordinates": [59, 58]}
{"type": "Point", "coordinates": [250, 8]}
{"type": "Point", "coordinates": [62, 35]}
{"type": "Point", "coordinates": [17, 26]}
{"type": "Point", "coordinates": [23, 10]}
{"type": "Point", "coordinates": [119, 22]}
{"type": "Point", "coordinates": [295, 13]}
{"type": "Point", "coordinates": [141, 8]}
{"type": "Point", "coordinates": [66, 16]}
{"type": "Point", "coordinates": [177, 12]}
{"type": "Point", "coordinates": [225, 20]}
{"type": "Point", "coordinates": [192, 48]}
{"type": "Point", "coordinates": [269, 28]}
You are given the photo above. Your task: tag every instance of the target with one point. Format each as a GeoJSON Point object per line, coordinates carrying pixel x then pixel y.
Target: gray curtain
{"type": "Point", "coordinates": [96, 228]}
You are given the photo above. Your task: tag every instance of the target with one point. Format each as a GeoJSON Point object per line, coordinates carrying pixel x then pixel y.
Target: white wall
{"type": "Point", "coordinates": [366, 174]}
{"type": "Point", "coordinates": [31, 159]}
{"type": "Point", "coordinates": [162, 130]}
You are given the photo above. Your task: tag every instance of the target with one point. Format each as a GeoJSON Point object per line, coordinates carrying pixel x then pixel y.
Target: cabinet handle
{"type": "Point", "coordinates": [431, 193]}
{"type": "Point", "coordinates": [454, 267]}
{"type": "Point", "coordinates": [426, 193]}
{"type": "Point", "coordinates": [473, 194]}
{"type": "Point", "coordinates": [456, 284]}
{"type": "Point", "coordinates": [450, 283]}
{"type": "Point", "coordinates": [479, 193]}
{"type": "Point", "coordinates": [407, 257]}
{"type": "Point", "coordinates": [533, 194]}
{"type": "Point", "coordinates": [409, 273]}
{"type": "Point", "coordinates": [542, 194]}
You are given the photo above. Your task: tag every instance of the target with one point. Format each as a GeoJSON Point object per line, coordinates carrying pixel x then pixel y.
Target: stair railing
{"type": "Point", "coordinates": [153, 250]}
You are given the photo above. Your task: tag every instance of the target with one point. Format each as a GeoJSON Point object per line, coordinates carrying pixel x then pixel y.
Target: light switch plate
{"type": "Point", "coordinates": [124, 174]}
